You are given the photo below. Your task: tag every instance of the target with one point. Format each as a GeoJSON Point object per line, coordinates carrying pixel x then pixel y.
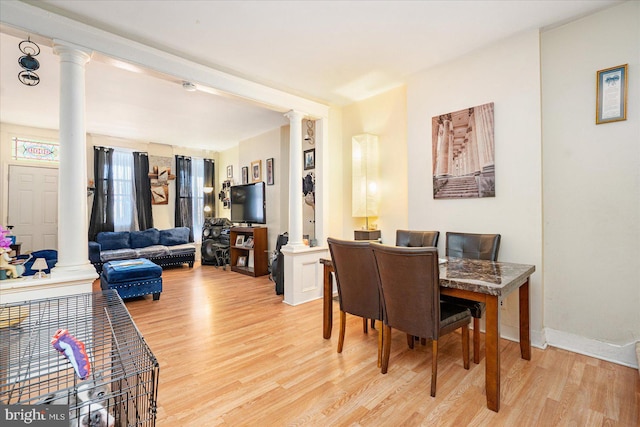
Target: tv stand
{"type": "Point", "coordinates": [260, 265]}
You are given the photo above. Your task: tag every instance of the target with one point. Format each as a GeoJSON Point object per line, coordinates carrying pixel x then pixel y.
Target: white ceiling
{"type": "Point", "coordinates": [334, 52]}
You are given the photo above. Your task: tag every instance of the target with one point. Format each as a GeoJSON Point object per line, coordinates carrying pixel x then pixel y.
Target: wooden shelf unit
{"type": "Point", "coordinates": [260, 257]}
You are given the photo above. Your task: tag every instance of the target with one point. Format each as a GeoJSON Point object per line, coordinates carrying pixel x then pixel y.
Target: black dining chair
{"type": "Point", "coordinates": [413, 238]}
{"type": "Point", "coordinates": [475, 246]}
{"type": "Point", "coordinates": [410, 289]}
{"type": "Point", "coordinates": [357, 282]}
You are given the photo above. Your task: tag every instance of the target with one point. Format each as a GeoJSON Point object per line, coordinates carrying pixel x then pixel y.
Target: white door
{"type": "Point", "coordinates": [33, 206]}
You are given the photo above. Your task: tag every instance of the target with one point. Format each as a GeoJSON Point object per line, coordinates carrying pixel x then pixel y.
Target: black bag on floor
{"type": "Point", "coordinates": [277, 266]}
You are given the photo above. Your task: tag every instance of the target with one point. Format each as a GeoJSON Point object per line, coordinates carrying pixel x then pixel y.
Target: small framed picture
{"type": "Point", "coordinates": [611, 94]}
{"type": "Point", "coordinates": [229, 171]}
{"type": "Point", "coordinates": [256, 171]}
{"type": "Point", "coordinates": [310, 159]}
{"type": "Point", "coordinates": [242, 261]}
{"type": "Point", "coordinates": [245, 174]}
{"type": "Point", "coordinates": [240, 240]}
{"type": "Point", "coordinates": [249, 242]}
{"type": "Point", "coordinates": [270, 171]}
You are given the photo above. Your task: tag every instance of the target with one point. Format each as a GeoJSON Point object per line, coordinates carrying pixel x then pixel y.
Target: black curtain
{"type": "Point", "coordinates": [143, 190]}
{"type": "Point", "coordinates": [102, 209]}
{"type": "Point", "coordinates": [209, 181]}
{"type": "Point", "coordinates": [184, 206]}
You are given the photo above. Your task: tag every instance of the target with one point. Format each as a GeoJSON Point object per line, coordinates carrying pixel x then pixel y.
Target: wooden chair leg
{"type": "Point", "coordinates": [365, 324]}
{"type": "Point", "coordinates": [465, 346]}
{"type": "Point", "coordinates": [373, 323]}
{"type": "Point", "coordinates": [476, 340]}
{"type": "Point", "coordinates": [434, 367]}
{"type": "Point", "coordinates": [380, 342]}
{"type": "Point", "coordinates": [343, 324]}
{"type": "Point", "coordinates": [410, 340]}
{"type": "Point", "coordinates": [386, 348]}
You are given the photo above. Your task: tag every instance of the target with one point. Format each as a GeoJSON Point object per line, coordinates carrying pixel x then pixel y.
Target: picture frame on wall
{"type": "Point", "coordinates": [256, 171]}
{"type": "Point", "coordinates": [229, 171]}
{"type": "Point", "coordinates": [270, 180]}
{"type": "Point", "coordinates": [309, 159]}
{"type": "Point", "coordinates": [611, 94]}
{"type": "Point", "coordinates": [245, 174]}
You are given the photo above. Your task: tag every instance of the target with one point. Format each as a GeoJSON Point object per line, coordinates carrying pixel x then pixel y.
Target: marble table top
{"type": "Point", "coordinates": [481, 276]}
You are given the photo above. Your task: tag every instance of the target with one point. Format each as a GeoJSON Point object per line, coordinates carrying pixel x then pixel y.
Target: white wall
{"type": "Point", "coordinates": [507, 74]}
{"type": "Point", "coordinates": [591, 183]}
{"type": "Point", "coordinates": [384, 115]}
{"type": "Point", "coordinates": [262, 147]}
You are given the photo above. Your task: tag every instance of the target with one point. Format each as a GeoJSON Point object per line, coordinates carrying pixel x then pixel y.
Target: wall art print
{"type": "Point", "coordinates": [464, 153]}
{"type": "Point", "coordinates": [160, 175]}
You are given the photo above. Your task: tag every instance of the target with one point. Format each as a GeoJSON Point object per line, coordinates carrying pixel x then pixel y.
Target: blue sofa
{"type": "Point", "coordinates": [163, 247]}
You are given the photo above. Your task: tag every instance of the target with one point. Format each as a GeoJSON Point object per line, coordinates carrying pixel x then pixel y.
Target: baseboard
{"type": "Point", "coordinates": [621, 354]}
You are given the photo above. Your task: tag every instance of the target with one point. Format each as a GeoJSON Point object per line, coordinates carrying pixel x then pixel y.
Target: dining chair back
{"type": "Point", "coordinates": [410, 289]}
{"type": "Point", "coordinates": [412, 238]}
{"type": "Point", "coordinates": [474, 246]}
{"type": "Point", "coordinates": [357, 282]}
{"type": "Point", "coordinates": [415, 239]}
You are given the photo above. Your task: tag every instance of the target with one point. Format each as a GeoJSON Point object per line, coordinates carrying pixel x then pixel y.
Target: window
{"type": "Point", "coordinates": [124, 205]}
{"type": "Point", "coordinates": [34, 150]}
{"type": "Point", "coordinates": [197, 189]}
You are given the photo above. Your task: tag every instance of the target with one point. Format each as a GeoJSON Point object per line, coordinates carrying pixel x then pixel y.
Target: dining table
{"type": "Point", "coordinates": [479, 280]}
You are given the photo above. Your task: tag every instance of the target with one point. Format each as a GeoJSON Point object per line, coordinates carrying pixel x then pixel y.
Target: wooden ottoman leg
{"type": "Point", "coordinates": [156, 296]}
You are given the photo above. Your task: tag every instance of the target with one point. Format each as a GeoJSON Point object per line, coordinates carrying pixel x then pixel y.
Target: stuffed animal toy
{"type": "Point", "coordinates": [5, 265]}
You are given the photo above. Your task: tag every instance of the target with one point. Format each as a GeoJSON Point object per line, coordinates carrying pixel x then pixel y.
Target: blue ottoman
{"type": "Point", "coordinates": [132, 278]}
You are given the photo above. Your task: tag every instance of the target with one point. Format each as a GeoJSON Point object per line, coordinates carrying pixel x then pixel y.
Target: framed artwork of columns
{"type": "Point", "coordinates": [464, 153]}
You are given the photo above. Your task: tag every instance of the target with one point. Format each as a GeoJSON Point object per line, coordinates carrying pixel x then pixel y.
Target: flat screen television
{"type": "Point", "coordinates": [248, 203]}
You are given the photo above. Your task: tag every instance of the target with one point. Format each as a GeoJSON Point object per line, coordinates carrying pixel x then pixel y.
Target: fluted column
{"type": "Point", "coordinates": [295, 178]}
{"type": "Point", "coordinates": [72, 178]}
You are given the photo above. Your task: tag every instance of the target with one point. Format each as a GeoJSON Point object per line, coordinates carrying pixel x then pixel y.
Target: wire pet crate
{"type": "Point", "coordinates": [124, 371]}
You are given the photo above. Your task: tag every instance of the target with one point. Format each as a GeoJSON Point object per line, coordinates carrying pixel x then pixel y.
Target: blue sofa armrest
{"type": "Point", "coordinates": [94, 252]}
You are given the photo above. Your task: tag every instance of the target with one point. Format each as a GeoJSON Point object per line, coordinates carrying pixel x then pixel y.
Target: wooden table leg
{"type": "Point", "coordinates": [327, 302]}
{"type": "Point", "coordinates": [492, 353]}
{"type": "Point", "coordinates": [525, 339]}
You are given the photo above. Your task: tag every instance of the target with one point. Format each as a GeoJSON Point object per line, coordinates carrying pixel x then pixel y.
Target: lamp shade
{"type": "Point", "coordinates": [365, 197]}
{"type": "Point", "coordinates": [39, 264]}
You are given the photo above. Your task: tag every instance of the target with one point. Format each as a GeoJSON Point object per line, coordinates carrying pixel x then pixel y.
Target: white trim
{"type": "Point", "coordinates": [620, 354]}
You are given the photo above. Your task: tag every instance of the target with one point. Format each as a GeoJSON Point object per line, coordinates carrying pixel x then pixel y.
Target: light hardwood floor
{"type": "Point", "coordinates": [232, 353]}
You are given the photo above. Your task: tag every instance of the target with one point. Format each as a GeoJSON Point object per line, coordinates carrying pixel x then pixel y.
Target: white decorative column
{"type": "Point", "coordinates": [73, 274]}
{"type": "Point", "coordinates": [73, 253]}
{"type": "Point", "coordinates": [295, 179]}
{"type": "Point", "coordinates": [303, 274]}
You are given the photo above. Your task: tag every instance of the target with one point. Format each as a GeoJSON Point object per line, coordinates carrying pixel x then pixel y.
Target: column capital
{"type": "Point", "coordinates": [70, 51]}
{"type": "Point", "coordinates": [294, 115]}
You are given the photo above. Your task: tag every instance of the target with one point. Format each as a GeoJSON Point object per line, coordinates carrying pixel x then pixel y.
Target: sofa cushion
{"type": "Point", "coordinates": [130, 270]}
{"type": "Point", "coordinates": [110, 240]}
{"type": "Point", "coordinates": [142, 239]}
{"type": "Point", "coordinates": [113, 254]}
{"type": "Point", "coordinates": [153, 251]}
{"type": "Point", "coordinates": [185, 249]}
{"type": "Point", "coordinates": [174, 236]}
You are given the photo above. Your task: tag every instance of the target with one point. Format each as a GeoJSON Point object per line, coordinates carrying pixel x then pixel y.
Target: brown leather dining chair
{"type": "Point", "coordinates": [475, 246]}
{"type": "Point", "coordinates": [410, 289]}
{"type": "Point", "coordinates": [357, 282]}
{"type": "Point", "coordinates": [412, 238]}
